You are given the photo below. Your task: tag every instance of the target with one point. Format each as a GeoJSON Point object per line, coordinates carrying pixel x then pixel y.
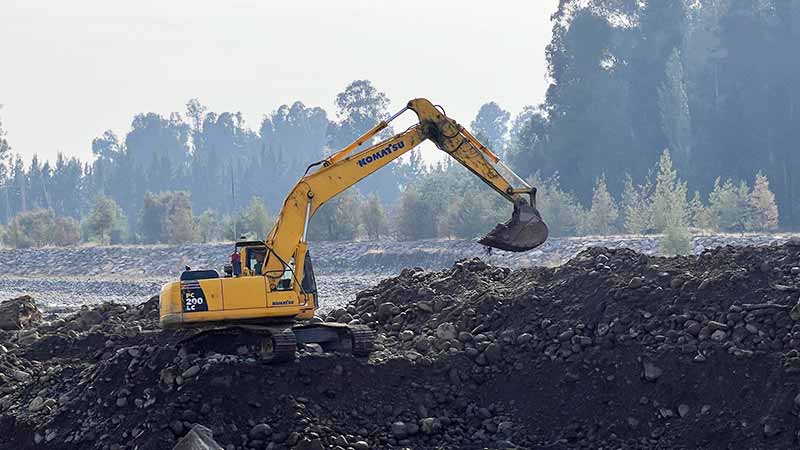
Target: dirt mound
{"type": "Point", "coordinates": [612, 350]}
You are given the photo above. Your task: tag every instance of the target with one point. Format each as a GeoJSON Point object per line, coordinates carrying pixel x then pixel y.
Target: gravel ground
{"type": "Point", "coordinates": [62, 294]}
{"type": "Point", "coordinates": [64, 279]}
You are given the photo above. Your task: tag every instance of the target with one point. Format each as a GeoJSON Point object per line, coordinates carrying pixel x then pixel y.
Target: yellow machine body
{"type": "Point", "coordinates": [248, 297]}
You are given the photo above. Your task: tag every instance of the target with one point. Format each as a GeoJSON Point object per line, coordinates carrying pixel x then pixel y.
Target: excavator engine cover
{"type": "Point", "coordinates": [524, 231]}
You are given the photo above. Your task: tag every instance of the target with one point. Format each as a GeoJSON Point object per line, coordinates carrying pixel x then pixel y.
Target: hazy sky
{"type": "Point", "coordinates": [71, 69]}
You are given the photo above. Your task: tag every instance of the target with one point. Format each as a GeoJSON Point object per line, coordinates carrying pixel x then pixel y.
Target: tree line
{"type": "Point", "coordinates": [711, 81]}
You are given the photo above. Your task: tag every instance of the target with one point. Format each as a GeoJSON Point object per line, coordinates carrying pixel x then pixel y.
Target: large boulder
{"type": "Point", "coordinates": [19, 313]}
{"type": "Point", "coordinates": [198, 438]}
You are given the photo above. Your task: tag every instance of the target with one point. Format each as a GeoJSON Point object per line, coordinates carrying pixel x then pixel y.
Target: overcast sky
{"type": "Point", "coordinates": [71, 69]}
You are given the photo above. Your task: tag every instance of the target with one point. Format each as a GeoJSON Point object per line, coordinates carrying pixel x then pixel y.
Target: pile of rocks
{"type": "Point", "coordinates": [614, 349]}
{"type": "Point", "coordinates": [740, 300]}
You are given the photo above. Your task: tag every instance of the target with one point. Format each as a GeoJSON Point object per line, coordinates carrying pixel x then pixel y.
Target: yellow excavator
{"type": "Point", "coordinates": [267, 295]}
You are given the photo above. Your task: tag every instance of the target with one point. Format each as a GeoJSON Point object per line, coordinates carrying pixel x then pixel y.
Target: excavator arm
{"type": "Point", "coordinates": [287, 239]}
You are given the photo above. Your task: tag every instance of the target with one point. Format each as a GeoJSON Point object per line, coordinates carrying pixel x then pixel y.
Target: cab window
{"type": "Point", "coordinates": [309, 283]}
{"type": "Point", "coordinates": [285, 282]}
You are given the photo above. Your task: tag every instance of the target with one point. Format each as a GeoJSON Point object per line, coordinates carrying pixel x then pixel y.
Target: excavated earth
{"type": "Point", "coordinates": [612, 350]}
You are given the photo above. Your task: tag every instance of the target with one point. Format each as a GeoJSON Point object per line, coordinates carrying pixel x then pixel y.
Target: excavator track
{"type": "Point", "coordinates": [270, 343]}
{"type": "Point", "coordinates": [363, 340]}
{"type": "Point", "coordinates": [278, 343]}
{"type": "Point", "coordinates": [359, 340]}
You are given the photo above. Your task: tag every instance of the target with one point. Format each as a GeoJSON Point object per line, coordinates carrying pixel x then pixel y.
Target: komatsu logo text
{"type": "Point", "coordinates": [381, 153]}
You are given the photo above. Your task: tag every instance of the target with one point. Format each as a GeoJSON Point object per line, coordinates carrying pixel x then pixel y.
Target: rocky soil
{"type": "Point", "coordinates": [613, 350]}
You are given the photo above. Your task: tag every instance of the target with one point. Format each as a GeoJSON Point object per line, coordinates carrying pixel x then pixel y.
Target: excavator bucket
{"type": "Point", "coordinates": [524, 231]}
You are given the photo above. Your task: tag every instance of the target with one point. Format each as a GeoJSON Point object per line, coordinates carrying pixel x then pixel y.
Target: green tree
{"type": "Point", "coordinates": [636, 210]}
{"type": "Point", "coordinates": [763, 210]}
{"type": "Point", "coordinates": [668, 204]}
{"type": "Point", "coordinates": [561, 211]}
{"type": "Point", "coordinates": [602, 217]}
{"type": "Point", "coordinates": [416, 218]}
{"type": "Point", "coordinates": [254, 220]}
{"type": "Point", "coordinates": [66, 231]}
{"type": "Point", "coordinates": [338, 219]}
{"type": "Point", "coordinates": [728, 205]}
{"type": "Point", "coordinates": [491, 123]}
{"type": "Point", "coordinates": [5, 154]}
{"type": "Point", "coordinates": [358, 108]}
{"type": "Point", "coordinates": [373, 216]}
{"type": "Point", "coordinates": [701, 217]}
{"type": "Point", "coordinates": [179, 221]}
{"type": "Point", "coordinates": [167, 217]}
{"type": "Point", "coordinates": [154, 210]}
{"type": "Point", "coordinates": [33, 228]}
{"type": "Point", "coordinates": [673, 102]}
{"type": "Point", "coordinates": [676, 240]}
{"type": "Point", "coordinates": [105, 221]}
{"type": "Point", "coordinates": [470, 215]}
{"type": "Point", "coordinates": [207, 226]}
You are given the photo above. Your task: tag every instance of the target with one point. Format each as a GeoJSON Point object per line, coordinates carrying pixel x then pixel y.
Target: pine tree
{"type": "Point", "coordinates": [561, 210]}
{"type": "Point", "coordinates": [636, 207]}
{"type": "Point", "coordinates": [729, 206]}
{"type": "Point", "coordinates": [763, 209]}
{"type": "Point", "coordinates": [602, 216]}
{"type": "Point", "coordinates": [673, 103]}
{"type": "Point", "coordinates": [701, 218]}
{"type": "Point", "coordinates": [668, 204]}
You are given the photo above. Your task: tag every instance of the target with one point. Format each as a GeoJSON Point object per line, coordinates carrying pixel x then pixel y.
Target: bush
{"type": "Point", "coordinates": [40, 227]}
{"type": "Point", "coordinates": [763, 209]}
{"type": "Point", "coordinates": [373, 217]}
{"type": "Point", "coordinates": [32, 228]}
{"type": "Point", "coordinates": [602, 217]}
{"type": "Point", "coordinates": [416, 219]}
{"type": "Point", "coordinates": [105, 223]}
{"type": "Point", "coordinates": [729, 206]}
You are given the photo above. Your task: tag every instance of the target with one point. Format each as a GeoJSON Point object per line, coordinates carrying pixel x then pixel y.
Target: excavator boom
{"type": "Point", "coordinates": [524, 231]}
